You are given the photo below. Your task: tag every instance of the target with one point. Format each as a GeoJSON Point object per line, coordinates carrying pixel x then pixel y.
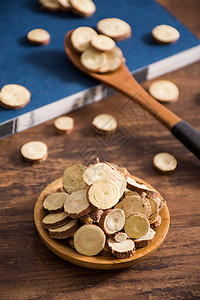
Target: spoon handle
{"type": "Point", "coordinates": [188, 135]}
{"type": "Point", "coordinates": [182, 130]}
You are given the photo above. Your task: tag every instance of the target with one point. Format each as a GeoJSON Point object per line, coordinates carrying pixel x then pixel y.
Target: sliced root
{"type": "Point", "coordinates": [55, 202]}
{"type": "Point", "coordinates": [38, 37]}
{"type": "Point", "coordinates": [165, 34]}
{"type": "Point", "coordinates": [136, 225]}
{"type": "Point", "coordinates": [64, 231]}
{"type": "Point", "coordinates": [165, 162]}
{"type": "Point", "coordinates": [103, 194]}
{"type": "Point", "coordinates": [104, 171]}
{"type": "Point", "coordinates": [73, 178]}
{"type": "Point", "coordinates": [64, 125]}
{"type": "Point", "coordinates": [34, 151]}
{"type": "Point", "coordinates": [81, 37]}
{"type": "Point", "coordinates": [93, 60]}
{"type": "Point", "coordinates": [140, 188]}
{"type": "Point", "coordinates": [145, 239]}
{"type": "Point", "coordinates": [114, 60]}
{"type": "Point", "coordinates": [102, 43]}
{"type": "Point", "coordinates": [96, 172]}
{"type": "Point", "coordinates": [112, 221]}
{"type": "Point", "coordinates": [76, 204]}
{"type": "Point", "coordinates": [164, 91]}
{"type": "Point", "coordinates": [92, 217]}
{"type": "Point", "coordinates": [123, 249]}
{"type": "Point", "coordinates": [84, 8]}
{"type": "Point", "coordinates": [14, 96]}
{"type": "Point", "coordinates": [104, 124]}
{"type": "Point", "coordinates": [114, 28]}
{"type": "Point", "coordinates": [55, 220]}
{"type": "Point", "coordinates": [89, 240]}
{"type": "Point", "coordinates": [135, 204]}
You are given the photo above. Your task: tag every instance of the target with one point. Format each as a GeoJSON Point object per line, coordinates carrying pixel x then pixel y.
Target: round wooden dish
{"type": "Point", "coordinates": [61, 248]}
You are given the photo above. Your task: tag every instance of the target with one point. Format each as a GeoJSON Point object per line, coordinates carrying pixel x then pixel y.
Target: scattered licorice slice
{"type": "Point", "coordinates": [81, 37]}
{"type": "Point", "coordinates": [14, 96]}
{"type": "Point", "coordinates": [114, 28]}
{"type": "Point", "coordinates": [164, 91]}
{"type": "Point", "coordinates": [77, 205]}
{"type": "Point", "coordinates": [140, 187]}
{"type": "Point", "coordinates": [55, 220]}
{"type": "Point", "coordinates": [136, 225]}
{"type": "Point", "coordinates": [93, 60]}
{"type": "Point", "coordinates": [34, 151]}
{"type": "Point", "coordinates": [135, 204]}
{"type": "Point", "coordinates": [64, 124]}
{"type": "Point", "coordinates": [165, 162]}
{"type": "Point", "coordinates": [122, 249]}
{"type": "Point", "coordinates": [104, 123]}
{"type": "Point", "coordinates": [103, 194]}
{"type": "Point", "coordinates": [99, 171]}
{"type": "Point", "coordinates": [73, 178]}
{"type": "Point", "coordinates": [120, 237]}
{"type": "Point", "coordinates": [65, 231]}
{"type": "Point", "coordinates": [84, 8]}
{"type": "Point", "coordinates": [38, 37]}
{"type": "Point", "coordinates": [89, 240]}
{"type": "Point", "coordinates": [145, 239]}
{"type": "Point", "coordinates": [113, 61]}
{"type": "Point", "coordinates": [103, 43]}
{"type": "Point", "coordinates": [112, 220]}
{"type": "Point", "coordinates": [55, 202]}
{"type": "Point", "coordinates": [165, 34]}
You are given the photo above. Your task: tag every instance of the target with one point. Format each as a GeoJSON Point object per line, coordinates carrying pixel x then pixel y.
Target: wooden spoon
{"type": "Point", "coordinates": [123, 81]}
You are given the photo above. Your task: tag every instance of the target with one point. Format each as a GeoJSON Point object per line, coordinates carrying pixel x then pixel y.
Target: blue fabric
{"type": "Point", "coordinates": [46, 70]}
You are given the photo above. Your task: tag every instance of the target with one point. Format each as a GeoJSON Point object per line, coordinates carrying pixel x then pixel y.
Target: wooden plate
{"type": "Point", "coordinates": [61, 248]}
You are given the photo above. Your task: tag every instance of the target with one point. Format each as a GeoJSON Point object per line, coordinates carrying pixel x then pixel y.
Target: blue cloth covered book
{"type": "Point", "coordinates": [57, 87]}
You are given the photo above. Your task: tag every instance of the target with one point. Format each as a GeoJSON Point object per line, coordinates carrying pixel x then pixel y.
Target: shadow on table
{"type": "Point", "coordinates": [147, 39]}
{"type": "Point", "coordinates": [23, 41]}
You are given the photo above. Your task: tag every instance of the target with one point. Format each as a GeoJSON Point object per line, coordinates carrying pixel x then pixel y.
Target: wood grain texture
{"type": "Point", "coordinates": [30, 271]}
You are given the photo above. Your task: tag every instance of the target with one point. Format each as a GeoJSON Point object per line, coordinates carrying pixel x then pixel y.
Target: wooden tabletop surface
{"type": "Point", "coordinates": [29, 270]}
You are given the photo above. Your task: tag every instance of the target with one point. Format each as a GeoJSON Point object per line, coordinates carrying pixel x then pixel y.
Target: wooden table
{"type": "Point", "coordinates": [31, 271]}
